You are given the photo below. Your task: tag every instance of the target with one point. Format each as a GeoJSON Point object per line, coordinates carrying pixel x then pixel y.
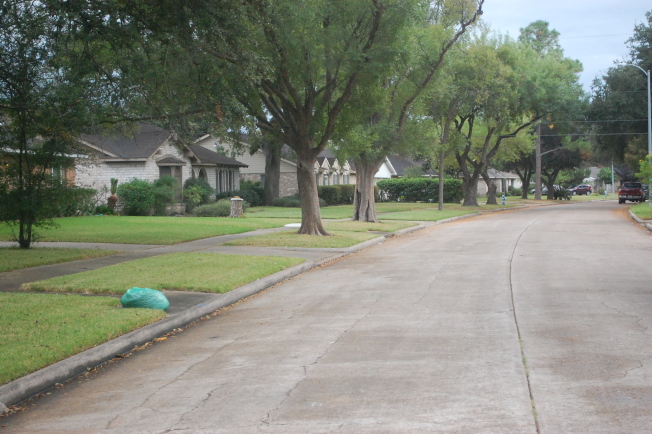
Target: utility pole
{"type": "Point", "coordinates": [649, 112]}
{"type": "Point", "coordinates": [537, 157]}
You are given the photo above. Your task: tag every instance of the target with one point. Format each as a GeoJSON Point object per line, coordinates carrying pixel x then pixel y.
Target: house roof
{"type": "Point", "coordinates": [142, 143]}
{"type": "Point", "coordinates": [495, 174]}
{"type": "Point", "coordinates": [401, 164]}
{"type": "Point", "coordinates": [206, 156]}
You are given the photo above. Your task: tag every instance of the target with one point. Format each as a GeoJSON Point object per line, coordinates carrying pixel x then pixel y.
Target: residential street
{"type": "Point", "coordinates": [525, 321]}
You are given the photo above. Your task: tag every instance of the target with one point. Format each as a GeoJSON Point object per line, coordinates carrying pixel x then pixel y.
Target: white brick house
{"type": "Point", "coordinates": [328, 171]}
{"type": "Point", "coordinates": [148, 153]}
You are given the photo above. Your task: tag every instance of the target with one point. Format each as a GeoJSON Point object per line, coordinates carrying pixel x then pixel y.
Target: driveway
{"type": "Point", "coordinates": [529, 321]}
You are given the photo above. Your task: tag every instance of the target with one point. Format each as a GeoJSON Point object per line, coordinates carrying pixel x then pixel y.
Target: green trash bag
{"type": "Point", "coordinates": [145, 297]}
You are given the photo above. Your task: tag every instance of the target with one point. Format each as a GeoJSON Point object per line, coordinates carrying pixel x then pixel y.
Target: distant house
{"type": "Point", "coordinates": [502, 180]}
{"type": "Point", "coordinates": [328, 170]}
{"type": "Point", "coordinates": [149, 152]}
{"type": "Point", "coordinates": [396, 166]}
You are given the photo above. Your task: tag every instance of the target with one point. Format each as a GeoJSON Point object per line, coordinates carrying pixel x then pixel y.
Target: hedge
{"type": "Point", "coordinates": [420, 190]}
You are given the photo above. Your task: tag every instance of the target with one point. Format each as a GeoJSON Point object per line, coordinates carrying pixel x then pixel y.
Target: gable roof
{"type": "Point", "coordinates": [401, 164]}
{"type": "Point", "coordinates": [142, 144]}
{"type": "Point", "coordinates": [208, 157]}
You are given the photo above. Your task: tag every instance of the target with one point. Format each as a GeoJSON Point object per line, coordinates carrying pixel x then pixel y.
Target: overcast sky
{"type": "Point", "coordinates": [594, 32]}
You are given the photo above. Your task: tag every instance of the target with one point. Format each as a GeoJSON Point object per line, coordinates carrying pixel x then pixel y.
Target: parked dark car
{"type": "Point", "coordinates": [632, 191]}
{"type": "Point", "coordinates": [544, 189]}
{"type": "Point", "coordinates": [581, 189]}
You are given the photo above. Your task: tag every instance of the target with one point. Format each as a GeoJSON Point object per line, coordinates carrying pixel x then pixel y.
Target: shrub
{"type": "Point", "coordinates": [515, 191]}
{"type": "Point", "coordinates": [331, 194]}
{"type": "Point", "coordinates": [348, 191]}
{"type": "Point", "coordinates": [196, 191]}
{"type": "Point", "coordinates": [136, 196]}
{"type": "Point", "coordinates": [103, 209]}
{"type": "Point", "coordinates": [76, 200]}
{"type": "Point", "coordinates": [420, 190]}
{"type": "Point", "coordinates": [293, 201]}
{"type": "Point", "coordinates": [164, 193]}
{"type": "Point", "coordinates": [221, 208]}
{"type": "Point", "coordinates": [251, 192]}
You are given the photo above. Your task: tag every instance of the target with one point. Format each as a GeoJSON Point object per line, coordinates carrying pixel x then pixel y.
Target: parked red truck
{"type": "Point", "coordinates": [631, 191]}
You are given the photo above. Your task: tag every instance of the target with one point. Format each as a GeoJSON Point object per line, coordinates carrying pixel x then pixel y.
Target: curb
{"type": "Point", "coordinates": [39, 381]}
{"type": "Point", "coordinates": [646, 223]}
{"type": "Point", "coordinates": [43, 379]}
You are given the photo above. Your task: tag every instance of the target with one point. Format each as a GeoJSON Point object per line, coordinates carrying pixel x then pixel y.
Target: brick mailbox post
{"type": "Point", "coordinates": [236, 207]}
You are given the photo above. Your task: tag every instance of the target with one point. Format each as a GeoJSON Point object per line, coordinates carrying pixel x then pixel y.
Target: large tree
{"type": "Point", "coordinates": [619, 106]}
{"type": "Point", "coordinates": [302, 62]}
{"type": "Point", "coordinates": [383, 109]}
{"type": "Point", "coordinates": [45, 99]}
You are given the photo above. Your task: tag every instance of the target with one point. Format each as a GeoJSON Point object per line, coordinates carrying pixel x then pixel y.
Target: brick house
{"type": "Point", "coordinates": [149, 152]}
{"type": "Point", "coordinates": [328, 171]}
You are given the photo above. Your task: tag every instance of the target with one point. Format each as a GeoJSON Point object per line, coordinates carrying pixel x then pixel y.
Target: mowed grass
{"type": "Point", "coordinates": [292, 239]}
{"type": "Point", "coordinates": [344, 234]}
{"type": "Point", "coordinates": [642, 211]}
{"type": "Point", "coordinates": [13, 258]}
{"type": "Point", "coordinates": [332, 212]}
{"type": "Point", "coordinates": [147, 230]}
{"type": "Point", "coordinates": [37, 330]}
{"type": "Point", "coordinates": [199, 272]}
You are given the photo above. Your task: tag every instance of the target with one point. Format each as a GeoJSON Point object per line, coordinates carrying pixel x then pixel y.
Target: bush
{"type": "Point", "coordinates": [136, 196]}
{"type": "Point", "coordinates": [348, 191]}
{"type": "Point", "coordinates": [331, 194]}
{"type": "Point", "coordinates": [515, 191]}
{"type": "Point", "coordinates": [221, 208]}
{"type": "Point", "coordinates": [293, 201]}
{"type": "Point", "coordinates": [251, 192]}
{"type": "Point", "coordinates": [420, 190]}
{"type": "Point", "coordinates": [164, 193]}
{"type": "Point", "coordinates": [196, 191]}
{"type": "Point", "coordinates": [76, 200]}
{"type": "Point", "coordinates": [103, 209]}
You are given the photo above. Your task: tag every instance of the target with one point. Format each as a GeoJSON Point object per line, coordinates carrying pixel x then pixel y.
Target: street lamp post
{"type": "Point", "coordinates": [649, 113]}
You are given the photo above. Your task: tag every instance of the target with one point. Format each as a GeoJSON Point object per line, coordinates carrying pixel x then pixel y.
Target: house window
{"type": "Point", "coordinates": [346, 178]}
{"type": "Point", "coordinates": [317, 178]}
{"type": "Point", "coordinates": [336, 178]}
{"type": "Point", "coordinates": [202, 174]}
{"type": "Point", "coordinates": [325, 182]}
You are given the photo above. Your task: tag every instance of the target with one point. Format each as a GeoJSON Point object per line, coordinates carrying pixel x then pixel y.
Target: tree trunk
{"type": "Point", "coordinates": [470, 187]}
{"type": "Point", "coordinates": [272, 172]}
{"type": "Point", "coordinates": [310, 213]}
{"type": "Point", "coordinates": [364, 201]}
{"type": "Point", "coordinates": [491, 189]}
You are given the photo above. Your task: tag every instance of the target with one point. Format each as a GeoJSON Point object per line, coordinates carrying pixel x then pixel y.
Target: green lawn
{"type": "Point", "coordinates": [13, 258]}
{"type": "Point", "coordinates": [37, 330]}
{"type": "Point", "coordinates": [291, 239]}
{"type": "Point", "coordinates": [147, 230]}
{"type": "Point", "coordinates": [201, 272]}
{"type": "Point", "coordinates": [345, 234]}
{"type": "Point", "coordinates": [642, 210]}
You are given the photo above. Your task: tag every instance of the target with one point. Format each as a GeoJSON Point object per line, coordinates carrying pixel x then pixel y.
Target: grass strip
{"type": "Point", "coordinates": [292, 239]}
{"type": "Point", "coordinates": [429, 214]}
{"type": "Point", "coordinates": [199, 272]}
{"type": "Point", "coordinates": [642, 211]}
{"type": "Point", "coordinates": [37, 330]}
{"type": "Point", "coordinates": [147, 230]}
{"type": "Point", "coordinates": [13, 258]}
{"type": "Point", "coordinates": [351, 226]}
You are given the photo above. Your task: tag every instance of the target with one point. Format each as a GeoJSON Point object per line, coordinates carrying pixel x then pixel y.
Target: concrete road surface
{"type": "Point", "coordinates": [516, 322]}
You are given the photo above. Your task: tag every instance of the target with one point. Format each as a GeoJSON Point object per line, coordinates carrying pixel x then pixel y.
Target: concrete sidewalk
{"type": "Point", "coordinates": [185, 307]}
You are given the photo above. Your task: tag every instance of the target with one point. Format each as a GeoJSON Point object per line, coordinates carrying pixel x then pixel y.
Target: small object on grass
{"type": "Point", "coordinates": [145, 298]}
